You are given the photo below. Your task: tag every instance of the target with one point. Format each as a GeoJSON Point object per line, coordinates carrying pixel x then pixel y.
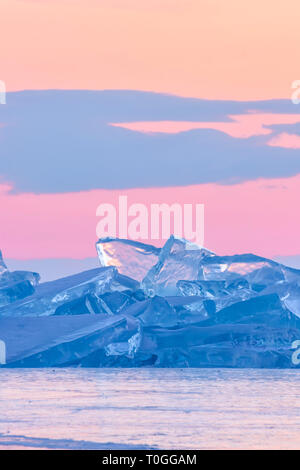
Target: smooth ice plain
{"type": "Point", "coordinates": [149, 409]}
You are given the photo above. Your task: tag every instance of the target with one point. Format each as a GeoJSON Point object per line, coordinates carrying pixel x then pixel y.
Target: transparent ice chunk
{"type": "Point", "coordinates": [193, 309]}
{"type": "Point", "coordinates": [15, 285]}
{"type": "Point", "coordinates": [79, 346]}
{"type": "Point", "coordinates": [20, 276]}
{"type": "Point", "coordinates": [232, 267]}
{"type": "Point", "coordinates": [131, 258]}
{"type": "Point", "coordinates": [222, 345]}
{"type": "Point", "coordinates": [178, 260]}
{"type": "Point", "coordinates": [263, 309]}
{"type": "Point", "coordinates": [222, 293]}
{"type": "Point", "coordinates": [87, 304]}
{"type": "Point", "coordinates": [51, 295]}
{"type": "Point", "coordinates": [157, 311]}
{"type": "Point", "coordinates": [13, 291]}
{"type": "Point", "coordinates": [126, 348]}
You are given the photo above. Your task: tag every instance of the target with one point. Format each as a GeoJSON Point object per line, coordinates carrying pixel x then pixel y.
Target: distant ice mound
{"type": "Point", "coordinates": [178, 306]}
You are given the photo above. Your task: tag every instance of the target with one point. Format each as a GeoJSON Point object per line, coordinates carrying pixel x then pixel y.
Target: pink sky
{"type": "Point", "coordinates": [285, 140]}
{"type": "Point", "coordinates": [64, 225]}
{"type": "Point", "coordinates": [242, 126]}
{"type": "Point", "coordinates": [212, 49]}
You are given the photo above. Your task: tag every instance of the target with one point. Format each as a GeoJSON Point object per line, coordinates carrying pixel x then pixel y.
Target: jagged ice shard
{"type": "Point", "coordinates": [63, 296]}
{"type": "Point", "coordinates": [178, 259]}
{"type": "Point", "coordinates": [15, 285]}
{"type": "Point", "coordinates": [178, 306]}
{"type": "Point", "coordinates": [131, 258]}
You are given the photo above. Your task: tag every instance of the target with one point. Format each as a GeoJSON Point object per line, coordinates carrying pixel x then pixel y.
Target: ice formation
{"type": "Point", "coordinates": [131, 258]}
{"type": "Point", "coordinates": [178, 306]}
{"type": "Point", "coordinates": [15, 285]}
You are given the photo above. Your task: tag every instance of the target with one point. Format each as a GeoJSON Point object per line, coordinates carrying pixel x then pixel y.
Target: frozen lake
{"type": "Point", "coordinates": [149, 408]}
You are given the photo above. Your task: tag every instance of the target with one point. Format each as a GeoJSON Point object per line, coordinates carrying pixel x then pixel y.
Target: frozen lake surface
{"type": "Point", "coordinates": [149, 408]}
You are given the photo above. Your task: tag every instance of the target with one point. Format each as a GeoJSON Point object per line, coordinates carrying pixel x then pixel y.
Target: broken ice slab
{"type": "Point", "coordinates": [178, 260]}
{"type": "Point", "coordinates": [264, 309]}
{"type": "Point", "coordinates": [62, 341]}
{"type": "Point", "coordinates": [260, 272]}
{"type": "Point", "coordinates": [15, 285]}
{"type": "Point", "coordinates": [20, 276]}
{"type": "Point", "coordinates": [191, 310]}
{"type": "Point", "coordinates": [51, 295]}
{"type": "Point", "coordinates": [87, 304]}
{"type": "Point", "coordinates": [128, 343]}
{"type": "Point", "coordinates": [227, 345]}
{"type": "Point", "coordinates": [157, 311]}
{"type": "Point", "coordinates": [247, 335]}
{"type": "Point", "coordinates": [114, 302]}
{"type": "Point", "coordinates": [120, 282]}
{"type": "Point", "coordinates": [22, 334]}
{"type": "Point", "coordinates": [131, 258]}
{"type": "Point", "coordinates": [221, 292]}
{"type": "Point", "coordinates": [224, 355]}
{"type": "Point", "coordinates": [231, 267]}
{"type": "Point", "coordinates": [205, 289]}
{"type": "Point", "coordinates": [170, 311]}
{"type": "Point", "coordinates": [10, 292]}
{"type": "Point", "coordinates": [109, 303]}
{"type": "Point", "coordinates": [226, 268]}
{"type": "Point", "coordinates": [7, 276]}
